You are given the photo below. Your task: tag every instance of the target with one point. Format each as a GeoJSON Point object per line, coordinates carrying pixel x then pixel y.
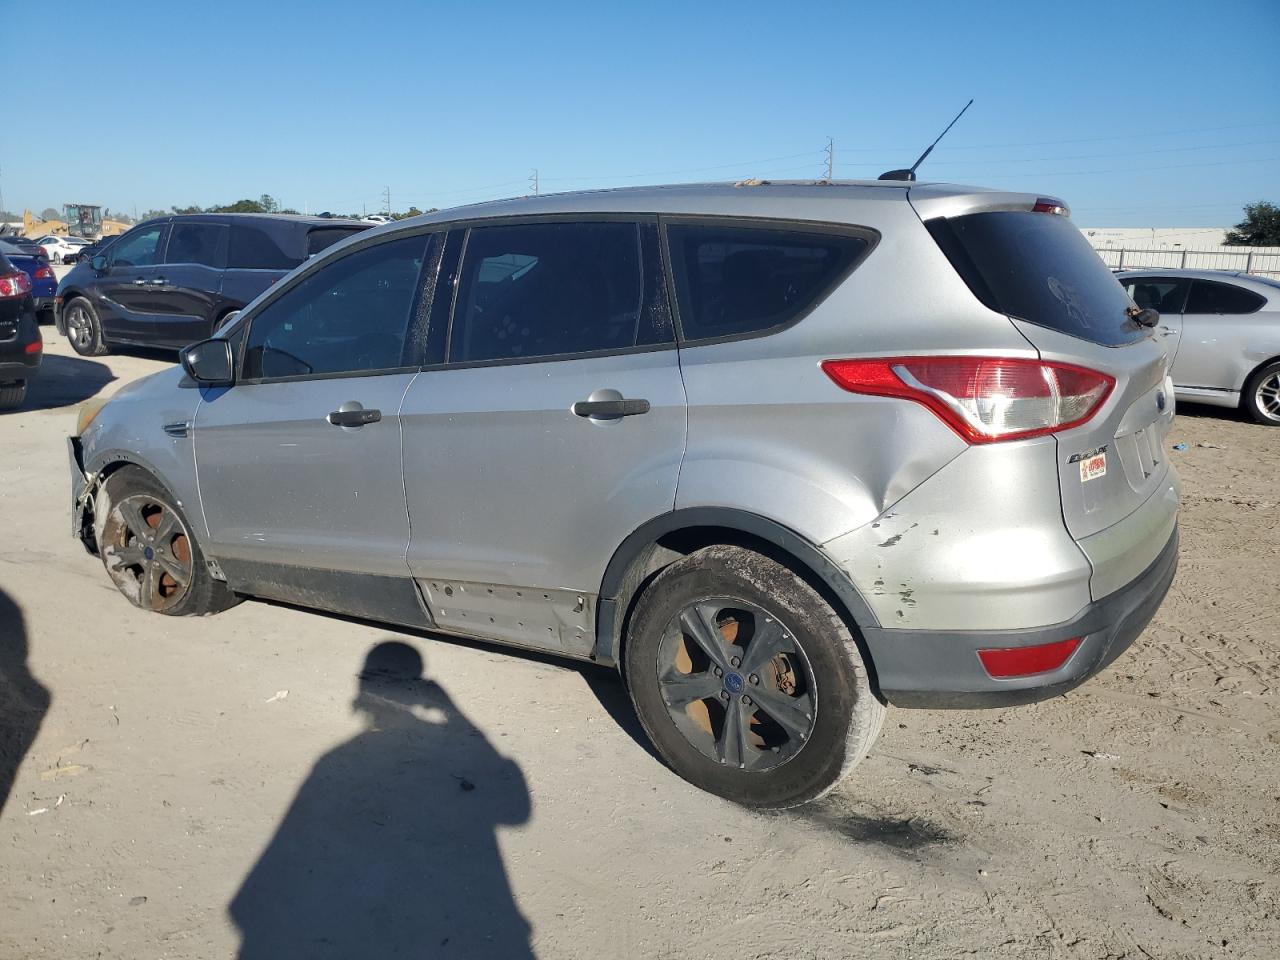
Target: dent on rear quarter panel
{"type": "Point", "coordinates": [978, 546]}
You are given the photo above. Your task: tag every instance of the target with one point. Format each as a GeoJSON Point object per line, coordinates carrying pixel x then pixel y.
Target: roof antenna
{"type": "Point", "coordinates": [910, 174]}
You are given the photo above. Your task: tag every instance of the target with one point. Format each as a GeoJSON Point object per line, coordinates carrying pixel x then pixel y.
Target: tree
{"type": "Point", "coordinates": [1259, 228]}
{"type": "Point", "coordinates": [48, 213]}
{"type": "Point", "coordinates": [194, 208]}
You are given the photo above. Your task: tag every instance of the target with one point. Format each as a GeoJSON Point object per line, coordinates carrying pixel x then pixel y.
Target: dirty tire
{"type": "Point", "coordinates": [12, 394]}
{"type": "Point", "coordinates": [84, 329]}
{"type": "Point", "coordinates": [133, 498]}
{"type": "Point", "coordinates": [1261, 395]}
{"type": "Point", "coordinates": [818, 680]}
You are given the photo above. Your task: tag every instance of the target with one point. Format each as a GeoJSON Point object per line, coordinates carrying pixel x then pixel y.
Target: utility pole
{"type": "Point", "coordinates": [386, 196]}
{"type": "Point", "coordinates": [533, 181]}
{"type": "Point", "coordinates": [831, 158]}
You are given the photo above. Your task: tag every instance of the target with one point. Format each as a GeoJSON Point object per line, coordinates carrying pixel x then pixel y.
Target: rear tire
{"type": "Point", "coordinates": [748, 683]}
{"type": "Point", "coordinates": [12, 394]}
{"type": "Point", "coordinates": [150, 552]}
{"type": "Point", "coordinates": [84, 329]}
{"type": "Point", "coordinates": [1261, 397]}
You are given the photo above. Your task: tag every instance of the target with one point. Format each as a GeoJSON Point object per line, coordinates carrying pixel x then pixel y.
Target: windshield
{"type": "Point", "coordinates": [1038, 267]}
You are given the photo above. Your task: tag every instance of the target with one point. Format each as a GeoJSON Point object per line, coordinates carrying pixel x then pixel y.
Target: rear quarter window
{"type": "Point", "coordinates": [1208, 296]}
{"type": "Point", "coordinates": [733, 280]}
{"type": "Point", "coordinates": [1038, 267]}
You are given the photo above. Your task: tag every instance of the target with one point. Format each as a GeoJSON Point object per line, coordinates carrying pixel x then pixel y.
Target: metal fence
{"type": "Point", "coordinates": [1263, 261]}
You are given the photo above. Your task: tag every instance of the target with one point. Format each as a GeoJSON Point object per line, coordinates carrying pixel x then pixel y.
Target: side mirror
{"type": "Point", "coordinates": [210, 363]}
{"type": "Point", "coordinates": [99, 262]}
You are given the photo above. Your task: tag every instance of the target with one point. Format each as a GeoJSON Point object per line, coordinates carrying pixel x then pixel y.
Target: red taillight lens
{"type": "Point", "coordinates": [35, 346]}
{"type": "Point", "coordinates": [984, 399]}
{"type": "Point", "coordinates": [1007, 662]}
{"type": "Point", "coordinates": [44, 273]}
{"type": "Point", "coordinates": [14, 285]}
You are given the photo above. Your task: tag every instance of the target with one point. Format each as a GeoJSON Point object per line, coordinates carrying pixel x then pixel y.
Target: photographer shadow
{"type": "Point", "coordinates": [23, 699]}
{"type": "Point", "coordinates": [390, 846]}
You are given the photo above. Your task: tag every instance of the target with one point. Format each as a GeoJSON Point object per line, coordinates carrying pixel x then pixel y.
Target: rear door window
{"type": "Point", "coordinates": [1038, 267]}
{"type": "Point", "coordinates": [550, 289]}
{"type": "Point", "coordinates": [197, 241]}
{"type": "Point", "coordinates": [253, 248]}
{"type": "Point", "coordinates": [349, 316]}
{"type": "Point", "coordinates": [736, 280]}
{"type": "Point", "coordinates": [1162, 294]}
{"type": "Point", "coordinates": [1207, 296]}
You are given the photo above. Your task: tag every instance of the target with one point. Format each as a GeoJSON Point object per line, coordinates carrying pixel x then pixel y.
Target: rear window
{"type": "Point", "coordinates": [736, 280]}
{"type": "Point", "coordinates": [322, 238]}
{"type": "Point", "coordinates": [1038, 267]}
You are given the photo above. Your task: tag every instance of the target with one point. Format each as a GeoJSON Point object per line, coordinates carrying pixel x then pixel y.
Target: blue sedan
{"type": "Point", "coordinates": [36, 266]}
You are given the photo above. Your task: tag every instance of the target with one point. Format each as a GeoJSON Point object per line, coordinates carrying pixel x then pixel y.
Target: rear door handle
{"type": "Point", "coordinates": [157, 281]}
{"type": "Point", "coordinates": [139, 282]}
{"type": "Point", "coordinates": [610, 409]}
{"type": "Point", "coordinates": [353, 414]}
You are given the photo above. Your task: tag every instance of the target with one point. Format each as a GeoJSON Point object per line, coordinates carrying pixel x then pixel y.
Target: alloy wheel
{"type": "Point", "coordinates": [147, 552]}
{"type": "Point", "coordinates": [79, 327]}
{"type": "Point", "coordinates": [737, 684]}
{"type": "Point", "coordinates": [1267, 396]}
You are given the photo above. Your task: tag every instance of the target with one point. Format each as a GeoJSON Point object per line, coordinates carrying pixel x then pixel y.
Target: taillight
{"type": "Point", "coordinates": [14, 285]}
{"type": "Point", "coordinates": [983, 399]}
{"type": "Point", "coordinates": [44, 273]}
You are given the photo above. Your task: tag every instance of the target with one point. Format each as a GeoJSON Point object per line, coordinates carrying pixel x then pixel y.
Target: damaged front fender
{"type": "Point", "coordinates": [84, 489]}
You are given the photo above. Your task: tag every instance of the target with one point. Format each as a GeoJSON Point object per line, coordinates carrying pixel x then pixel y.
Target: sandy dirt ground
{"type": "Point", "coordinates": [187, 789]}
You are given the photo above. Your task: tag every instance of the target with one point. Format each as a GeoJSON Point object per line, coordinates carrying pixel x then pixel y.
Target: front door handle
{"type": "Point", "coordinates": [157, 281]}
{"type": "Point", "coordinates": [353, 414]}
{"type": "Point", "coordinates": [139, 282]}
{"type": "Point", "coordinates": [609, 405]}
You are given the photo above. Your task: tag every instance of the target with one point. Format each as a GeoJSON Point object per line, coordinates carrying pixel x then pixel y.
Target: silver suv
{"type": "Point", "coordinates": [780, 453]}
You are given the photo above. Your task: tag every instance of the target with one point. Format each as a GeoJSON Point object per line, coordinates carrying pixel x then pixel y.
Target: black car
{"type": "Point", "coordinates": [21, 347]}
{"type": "Point", "coordinates": [171, 281]}
{"type": "Point", "coordinates": [92, 250]}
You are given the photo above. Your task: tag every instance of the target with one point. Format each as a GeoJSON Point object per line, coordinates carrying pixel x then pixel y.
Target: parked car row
{"type": "Point", "coordinates": [780, 453]}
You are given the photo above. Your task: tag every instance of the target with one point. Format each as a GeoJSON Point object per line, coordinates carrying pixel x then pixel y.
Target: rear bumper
{"type": "Point", "coordinates": [16, 365]}
{"type": "Point", "coordinates": [940, 669]}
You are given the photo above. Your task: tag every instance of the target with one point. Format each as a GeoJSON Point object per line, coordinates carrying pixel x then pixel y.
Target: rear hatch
{"type": "Point", "coordinates": [1022, 256]}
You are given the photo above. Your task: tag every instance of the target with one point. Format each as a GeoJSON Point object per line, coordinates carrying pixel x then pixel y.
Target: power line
{"type": "Point", "coordinates": [1146, 135]}
{"type": "Point", "coordinates": [662, 173]}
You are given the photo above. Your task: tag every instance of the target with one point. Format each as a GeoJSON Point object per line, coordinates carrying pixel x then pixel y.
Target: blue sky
{"type": "Point", "coordinates": [1139, 114]}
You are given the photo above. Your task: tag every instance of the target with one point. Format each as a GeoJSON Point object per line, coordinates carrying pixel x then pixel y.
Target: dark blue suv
{"type": "Point", "coordinates": [171, 281]}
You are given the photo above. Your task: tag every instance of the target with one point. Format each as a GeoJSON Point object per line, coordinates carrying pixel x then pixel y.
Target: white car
{"type": "Point", "coordinates": [56, 247]}
{"type": "Point", "coordinates": [376, 218]}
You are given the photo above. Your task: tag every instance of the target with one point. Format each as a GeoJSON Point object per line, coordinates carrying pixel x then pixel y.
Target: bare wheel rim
{"type": "Point", "coordinates": [737, 684]}
{"type": "Point", "coordinates": [1267, 396]}
{"type": "Point", "coordinates": [79, 327]}
{"type": "Point", "coordinates": [147, 552]}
